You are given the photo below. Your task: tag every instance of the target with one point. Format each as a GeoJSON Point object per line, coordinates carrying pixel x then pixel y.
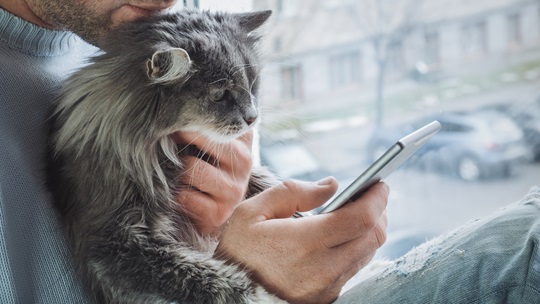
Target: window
{"type": "Point", "coordinates": [345, 69]}
{"type": "Point", "coordinates": [514, 29]}
{"type": "Point", "coordinates": [474, 38]}
{"type": "Point", "coordinates": [291, 82]}
{"type": "Point", "coordinates": [471, 168]}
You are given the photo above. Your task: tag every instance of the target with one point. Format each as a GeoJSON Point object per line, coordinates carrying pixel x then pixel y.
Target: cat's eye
{"type": "Point", "coordinates": [219, 95]}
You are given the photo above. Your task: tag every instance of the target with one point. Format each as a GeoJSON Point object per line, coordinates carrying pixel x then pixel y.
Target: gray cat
{"type": "Point", "coordinates": [113, 164]}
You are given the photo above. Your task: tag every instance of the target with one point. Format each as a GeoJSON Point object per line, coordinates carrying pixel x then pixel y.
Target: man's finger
{"type": "Point", "coordinates": [292, 195]}
{"type": "Point", "coordinates": [217, 183]}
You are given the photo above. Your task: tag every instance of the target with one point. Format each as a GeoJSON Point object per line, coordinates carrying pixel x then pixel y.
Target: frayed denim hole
{"type": "Point", "coordinates": [419, 258]}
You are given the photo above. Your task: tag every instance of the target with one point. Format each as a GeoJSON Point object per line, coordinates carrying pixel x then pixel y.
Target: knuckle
{"type": "Point", "coordinates": [380, 235]}
{"type": "Point", "coordinates": [290, 186]}
{"type": "Point", "coordinates": [368, 220]}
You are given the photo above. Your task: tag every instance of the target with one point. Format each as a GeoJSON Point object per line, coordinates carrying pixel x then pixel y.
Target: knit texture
{"type": "Point", "coordinates": [35, 262]}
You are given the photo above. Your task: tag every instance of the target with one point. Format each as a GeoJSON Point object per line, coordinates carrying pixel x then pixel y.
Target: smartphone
{"type": "Point", "coordinates": [390, 161]}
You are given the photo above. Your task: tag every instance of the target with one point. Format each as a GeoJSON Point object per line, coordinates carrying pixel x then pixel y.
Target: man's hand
{"type": "Point", "coordinates": [216, 182]}
{"type": "Point", "coordinates": [305, 260]}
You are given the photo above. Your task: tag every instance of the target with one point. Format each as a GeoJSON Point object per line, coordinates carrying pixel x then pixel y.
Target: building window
{"type": "Point", "coordinates": [514, 29]}
{"type": "Point", "coordinates": [432, 50]}
{"type": "Point", "coordinates": [345, 69]}
{"type": "Point", "coordinates": [291, 82]}
{"type": "Point", "coordinates": [474, 38]}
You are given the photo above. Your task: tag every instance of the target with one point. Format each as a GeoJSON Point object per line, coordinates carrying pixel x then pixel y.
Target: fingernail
{"type": "Point", "coordinates": [325, 181]}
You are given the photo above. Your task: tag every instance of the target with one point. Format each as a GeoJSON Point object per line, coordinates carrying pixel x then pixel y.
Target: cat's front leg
{"type": "Point", "coordinates": [144, 269]}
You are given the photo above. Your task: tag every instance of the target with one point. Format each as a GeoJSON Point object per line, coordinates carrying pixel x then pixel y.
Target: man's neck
{"type": "Point", "coordinates": [22, 10]}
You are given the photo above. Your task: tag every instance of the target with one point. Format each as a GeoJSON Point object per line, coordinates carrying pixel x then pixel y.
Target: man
{"type": "Point", "coordinates": [307, 260]}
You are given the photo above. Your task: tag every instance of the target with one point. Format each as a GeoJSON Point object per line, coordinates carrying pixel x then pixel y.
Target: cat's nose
{"type": "Point", "coordinates": [250, 115]}
{"type": "Point", "coordinates": [250, 119]}
{"type": "Point", "coordinates": [248, 108]}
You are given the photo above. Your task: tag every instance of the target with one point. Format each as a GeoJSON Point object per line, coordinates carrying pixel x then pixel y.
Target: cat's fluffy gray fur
{"type": "Point", "coordinates": [113, 163]}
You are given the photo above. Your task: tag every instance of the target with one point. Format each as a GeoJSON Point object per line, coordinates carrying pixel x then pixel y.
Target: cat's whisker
{"type": "Point", "coordinates": [219, 80]}
{"type": "Point", "coordinates": [241, 67]}
{"type": "Point", "coordinates": [254, 81]}
{"type": "Point", "coordinates": [187, 145]}
{"type": "Point", "coordinates": [245, 89]}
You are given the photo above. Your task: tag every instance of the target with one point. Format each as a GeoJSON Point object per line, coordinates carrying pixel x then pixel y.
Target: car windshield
{"type": "Point", "coordinates": [344, 79]}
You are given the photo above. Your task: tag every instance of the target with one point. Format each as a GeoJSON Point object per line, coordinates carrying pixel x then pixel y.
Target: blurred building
{"type": "Point", "coordinates": [332, 51]}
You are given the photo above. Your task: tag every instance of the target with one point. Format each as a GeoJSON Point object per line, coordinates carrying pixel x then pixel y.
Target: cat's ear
{"type": "Point", "coordinates": [168, 65]}
{"type": "Point", "coordinates": [252, 20]}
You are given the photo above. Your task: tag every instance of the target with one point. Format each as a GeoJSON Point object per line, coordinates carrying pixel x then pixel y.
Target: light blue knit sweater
{"type": "Point", "coordinates": [35, 266]}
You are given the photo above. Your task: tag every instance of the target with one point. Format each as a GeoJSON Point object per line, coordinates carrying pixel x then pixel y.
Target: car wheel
{"type": "Point", "coordinates": [468, 169]}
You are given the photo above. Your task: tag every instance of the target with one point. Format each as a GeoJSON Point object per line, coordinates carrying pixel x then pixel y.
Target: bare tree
{"type": "Point", "coordinates": [386, 22]}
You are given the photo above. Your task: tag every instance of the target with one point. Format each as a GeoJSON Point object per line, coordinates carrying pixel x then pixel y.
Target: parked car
{"type": "Point", "coordinates": [527, 117]}
{"type": "Point", "coordinates": [470, 145]}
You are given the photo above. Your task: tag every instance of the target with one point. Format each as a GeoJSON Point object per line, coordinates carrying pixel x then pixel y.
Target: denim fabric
{"type": "Point", "coordinates": [492, 260]}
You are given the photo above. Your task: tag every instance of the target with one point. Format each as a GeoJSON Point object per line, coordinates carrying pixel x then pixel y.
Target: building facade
{"type": "Point", "coordinates": [321, 51]}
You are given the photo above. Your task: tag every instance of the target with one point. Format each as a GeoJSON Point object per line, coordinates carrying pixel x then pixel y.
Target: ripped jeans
{"type": "Point", "coordinates": [492, 260]}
